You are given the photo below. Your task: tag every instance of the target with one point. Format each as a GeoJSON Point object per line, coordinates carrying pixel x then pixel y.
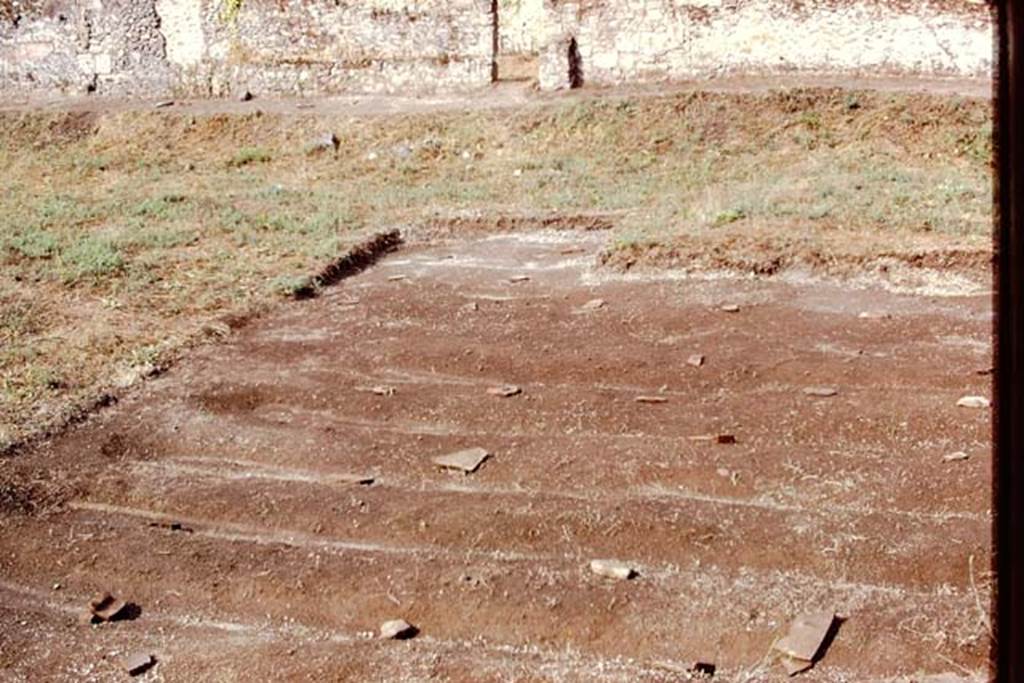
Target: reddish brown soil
{"type": "Point", "coordinates": [284, 566]}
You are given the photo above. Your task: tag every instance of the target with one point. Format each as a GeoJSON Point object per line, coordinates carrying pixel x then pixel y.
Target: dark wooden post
{"type": "Point", "coordinates": [1009, 407]}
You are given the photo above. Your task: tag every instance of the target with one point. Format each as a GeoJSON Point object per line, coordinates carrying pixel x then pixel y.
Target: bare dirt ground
{"type": "Point", "coordinates": [503, 95]}
{"type": "Point", "coordinates": [284, 565]}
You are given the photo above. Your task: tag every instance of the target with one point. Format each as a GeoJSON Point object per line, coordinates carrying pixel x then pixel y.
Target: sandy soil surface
{"type": "Point", "coordinates": [227, 498]}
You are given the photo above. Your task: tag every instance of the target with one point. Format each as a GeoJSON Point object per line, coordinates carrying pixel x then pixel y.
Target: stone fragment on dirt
{"type": "Point", "coordinates": [730, 308]}
{"type": "Point", "coordinates": [974, 402]}
{"type": "Point", "coordinates": [467, 461]}
{"type": "Point", "coordinates": [519, 278]}
{"type": "Point", "coordinates": [872, 315]}
{"type": "Point", "coordinates": [821, 392]}
{"type": "Point", "coordinates": [594, 304]}
{"type": "Point", "coordinates": [505, 391]}
{"type": "Point", "coordinates": [803, 645]}
{"type": "Point", "coordinates": [105, 607]}
{"type": "Point", "coordinates": [397, 629]}
{"type": "Point", "coordinates": [702, 669]}
{"type": "Point", "coordinates": [163, 104]}
{"type": "Point", "coordinates": [138, 664]}
{"type": "Point", "coordinates": [702, 438]}
{"type": "Point", "coordinates": [171, 526]}
{"type": "Point", "coordinates": [379, 390]}
{"type": "Point", "coordinates": [696, 360]}
{"type": "Point", "coordinates": [954, 457]}
{"type": "Point", "coordinates": [612, 569]}
{"type": "Point", "coordinates": [396, 278]}
{"type": "Point", "coordinates": [725, 438]}
{"type": "Point", "coordinates": [245, 96]}
{"type": "Point", "coordinates": [651, 399]}
{"type": "Point", "coordinates": [327, 142]}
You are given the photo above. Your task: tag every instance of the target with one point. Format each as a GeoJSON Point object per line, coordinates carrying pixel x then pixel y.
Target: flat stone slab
{"type": "Point", "coordinates": [467, 461]}
{"type": "Point", "coordinates": [806, 636]}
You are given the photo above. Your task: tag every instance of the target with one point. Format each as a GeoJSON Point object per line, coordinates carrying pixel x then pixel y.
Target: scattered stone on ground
{"type": "Point", "coordinates": [731, 308]}
{"type": "Point", "coordinates": [519, 278]}
{"type": "Point", "coordinates": [803, 645]}
{"type": "Point", "coordinates": [163, 104]}
{"type": "Point", "coordinates": [328, 142]}
{"type": "Point", "coordinates": [702, 438]}
{"type": "Point", "coordinates": [725, 438]}
{"type": "Point", "coordinates": [984, 371]}
{"type": "Point", "coordinates": [703, 669]}
{"type": "Point", "coordinates": [171, 526]}
{"type": "Point", "coordinates": [953, 457]}
{"type": "Point", "coordinates": [396, 278]}
{"type": "Point", "coordinates": [871, 315]}
{"type": "Point", "coordinates": [380, 390]}
{"type": "Point", "coordinates": [505, 391]}
{"type": "Point", "coordinates": [467, 461]}
{"type": "Point", "coordinates": [304, 105]}
{"type": "Point", "coordinates": [244, 96]}
{"type": "Point", "coordinates": [651, 399]}
{"type": "Point", "coordinates": [612, 569]}
{"type": "Point", "coordinates": [974, 402]}
{"type": "Point", "coordinates": [397, 629]}
{"type": "Point", "coordinates": [105, 607]}
{"type": "Point", "coordinates": [821, 392]}
{"type": "Point", "coordinates": [594, 304]}
{"type": "Point", "coordinates": [696, 360]}
{"type": "Point", "coordinates": [139, 664]}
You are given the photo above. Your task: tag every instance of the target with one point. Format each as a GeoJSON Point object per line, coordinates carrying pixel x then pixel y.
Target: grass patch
{"type": "Point", "coordinates": [249, 155]}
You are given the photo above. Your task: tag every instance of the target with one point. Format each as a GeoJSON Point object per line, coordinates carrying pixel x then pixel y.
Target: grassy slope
{"type": "Point", "coordinates": [123, 236]}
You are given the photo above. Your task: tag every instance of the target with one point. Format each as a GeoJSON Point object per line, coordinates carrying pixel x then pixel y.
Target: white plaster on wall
{"type": "Point", "coordinates": [181, 23]}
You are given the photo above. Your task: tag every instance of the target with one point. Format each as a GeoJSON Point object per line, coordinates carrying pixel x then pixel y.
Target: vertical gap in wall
{"type": "Point", "coordinates": [495, 41]}
{"type": "Point", "coordinates": [575, 63]}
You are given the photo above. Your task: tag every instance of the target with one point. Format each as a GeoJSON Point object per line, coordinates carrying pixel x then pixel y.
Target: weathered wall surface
{"type": "Point", "coordinates": [520, 26]}
{"type": "Point", "coordinates": [621, 41]}
{"type": "Point", "coordinates": [82, 45]}
{"type": "Point", "coordinates": [214, 47]}
{"type": "Point", "coordinates": [217, 47]}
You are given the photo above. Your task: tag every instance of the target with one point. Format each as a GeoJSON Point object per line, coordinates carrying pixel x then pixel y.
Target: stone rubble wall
{"type": "Point", "coordinates": [82, 46]}
{"type": "Point", "coordinates": [219, 47]}
{"type": "Point", "coordinates": [318, 47]}
{"type": "Point", "coordinates": [626, 41]}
